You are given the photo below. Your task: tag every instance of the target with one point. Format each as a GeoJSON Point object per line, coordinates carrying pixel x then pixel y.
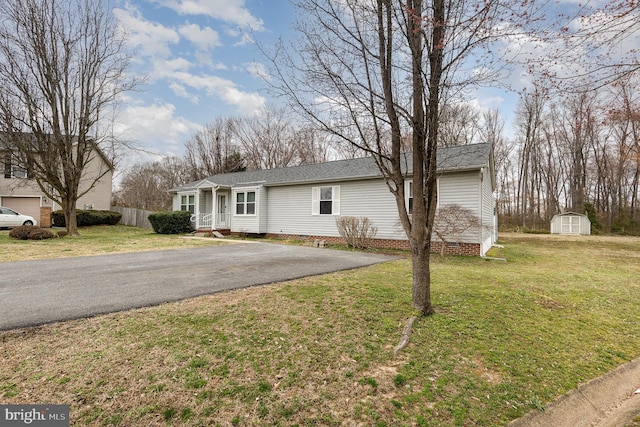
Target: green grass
{"type": "Point", "coordinates": [507, 337]}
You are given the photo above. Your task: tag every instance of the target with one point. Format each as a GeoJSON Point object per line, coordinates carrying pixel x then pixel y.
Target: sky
{"type": "Point", "coordinates": [201, 62]}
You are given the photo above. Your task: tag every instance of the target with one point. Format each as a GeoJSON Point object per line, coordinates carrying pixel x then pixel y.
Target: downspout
{"type": "Point", "coordinates": [481, 212]}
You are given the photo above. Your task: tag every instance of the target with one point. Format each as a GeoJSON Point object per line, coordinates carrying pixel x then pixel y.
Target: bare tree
{"type": "Point", "coordinates": [492, 132]}
{"type": "Point", "coordinates": [459, 124]}
{"type": "Point", "coordinates": [214, 150]}
{"type": "Point", "coordinates": [312, 146]}
{"type": "Point", "coordinates": [578, 128]}
{"type": "Point", "coordinates": [144, 186]}
{"type": "Point", "coordinates": [617, 158]}
{"type": "Point", "coordinates": [62, 66]}
{"type": "Point", "coordinates": [597, 46]}
{"type": "Point", "coordinates": [529, 117]}
{"type": "Point", "coordinates": [268, 139]}
{"type": "Point", "coordinates": [374, 72]}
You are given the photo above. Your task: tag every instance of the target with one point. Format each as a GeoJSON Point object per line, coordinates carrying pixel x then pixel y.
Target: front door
{"type": "Point", "coordinates": [221, 220]}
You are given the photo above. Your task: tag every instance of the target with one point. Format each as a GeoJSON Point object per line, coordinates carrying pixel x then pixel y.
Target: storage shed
{"type": "Point", "coordinates": [570, 223]}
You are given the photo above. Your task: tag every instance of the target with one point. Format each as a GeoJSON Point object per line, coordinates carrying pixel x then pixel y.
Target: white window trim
{"type": "Point", "coordinates": [408, 183]}
{"type": "Point", "coordinates": [187, 195]}
{"type": "Point", "coordinates": [335, 200]}
{"type": "Point", "coordinates": [235, 202]}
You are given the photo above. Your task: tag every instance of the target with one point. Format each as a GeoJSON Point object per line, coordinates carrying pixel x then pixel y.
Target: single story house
{"type": "Point", "coordinates": [20, 192]}
{"type": "Point", "coordinates": [303, 202]}
{"type": "Point", "coordinates": [570, 223]}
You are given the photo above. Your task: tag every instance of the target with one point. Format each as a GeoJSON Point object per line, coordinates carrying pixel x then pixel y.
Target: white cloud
{"type": "Point", "coordinates": [246, 102]}
{"type": "Point", "coordinates": [230, 11]}
{"type": "Point", "coordinates": [245, 40]}
{"type": "Point", "coordinates": [204, 38]}
{"type": "Point", "coordinates": [149, 38]}
{"type": "Point", "coordinates": [258, 69]}
{"type": "Point", "coordinates": [154, 127]}
{"type": "Point", "coordinates": [182, 92]}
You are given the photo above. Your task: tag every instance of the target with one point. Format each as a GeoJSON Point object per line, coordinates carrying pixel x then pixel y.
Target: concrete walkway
{"type": "Point", "coordinates": [612, 400]}
{"type": "Point", "coordinates": [44, 291]}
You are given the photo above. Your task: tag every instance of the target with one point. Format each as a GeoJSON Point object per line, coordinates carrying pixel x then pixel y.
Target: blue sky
{"type": "Point", "coordinates": [201, 63]}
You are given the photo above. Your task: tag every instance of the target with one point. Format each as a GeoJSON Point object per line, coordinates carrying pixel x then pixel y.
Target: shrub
{"type": "Point", "coordinates": [171, 222]}
{"type": "Point", "coordinates": [38, 233]}
{"type": "Point", "coordinates": [21, 232]}
{"type": "Point", "coordinates": [356, 231]}
{"type": "Point", "coordinates": [88, 217]}
{"type": "Point", "coordinates": [28, 232]}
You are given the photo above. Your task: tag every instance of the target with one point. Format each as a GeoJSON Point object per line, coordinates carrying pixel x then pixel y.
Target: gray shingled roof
{"type": "Point", "coordinates": [449, 159]}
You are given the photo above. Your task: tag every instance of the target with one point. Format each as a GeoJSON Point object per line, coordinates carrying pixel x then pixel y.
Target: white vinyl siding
{"type": "Point", "coordinates": [462, 189]}
{"type": "Point", "coordinates": [253, 200]}
{"type": "Point", "coordinates": [489, 220]}
{"type": "Point", "coordinates": [290, 209]}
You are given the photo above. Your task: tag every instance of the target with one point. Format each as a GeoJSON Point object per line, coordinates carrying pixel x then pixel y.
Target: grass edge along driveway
{"type": "Point", "coordinates": [507, 337]}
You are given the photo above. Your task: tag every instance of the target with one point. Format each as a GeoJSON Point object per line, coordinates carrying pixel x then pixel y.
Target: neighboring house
{"type": "Point", "coordinates": [303, 202]}
{"type": "Point", "coordinates": [570, 223]}
{"type": "Point", "coordinates": [19, 191]}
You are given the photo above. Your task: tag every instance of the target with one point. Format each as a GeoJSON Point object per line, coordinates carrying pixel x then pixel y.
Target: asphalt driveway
{"type": "Point", "coordinates": [44, 291]}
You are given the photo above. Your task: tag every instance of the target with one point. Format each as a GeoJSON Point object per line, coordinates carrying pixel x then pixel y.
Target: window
{"type": "Point", "coordinates": [325, 200]}
{"type": "Point", "coordinates": [409, 196]}
{"type": "Point", "coordinates": [246, 203]}
{"type": "Point", "coordinates": [187, 203]}
{"type": "Point", "coordinates": [12, 170]}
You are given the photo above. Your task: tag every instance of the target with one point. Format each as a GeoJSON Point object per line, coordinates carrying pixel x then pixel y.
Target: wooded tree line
{"type": "Point", "coordinates": [580, 153]}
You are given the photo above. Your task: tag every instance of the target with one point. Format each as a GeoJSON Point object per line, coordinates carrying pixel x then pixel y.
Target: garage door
{"type": "Point", "coordinates": [24, 205]}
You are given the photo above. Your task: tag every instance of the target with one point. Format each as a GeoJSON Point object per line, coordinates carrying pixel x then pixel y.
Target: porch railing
{"type": "Point", "coordinates": [201, 220]}
{"type": "Point", "coordinates": [205, 220]}
{"type": "Point", "coordinates": [223, 220]}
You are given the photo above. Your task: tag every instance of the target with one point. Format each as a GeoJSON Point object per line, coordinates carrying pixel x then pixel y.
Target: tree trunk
{"type": "Point", "coordinates": [70, 219]}
{"type": "Point", "coordinates": [421, 292]}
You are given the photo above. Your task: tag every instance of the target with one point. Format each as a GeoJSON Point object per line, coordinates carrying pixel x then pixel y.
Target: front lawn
{"type": "Point", "coordinates": [507, 337]}
{"type": "Point", "coordinates": [96, 240]}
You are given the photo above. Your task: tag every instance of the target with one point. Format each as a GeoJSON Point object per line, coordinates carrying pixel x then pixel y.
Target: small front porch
{"type": "Point", "coordinates": [211, 210]}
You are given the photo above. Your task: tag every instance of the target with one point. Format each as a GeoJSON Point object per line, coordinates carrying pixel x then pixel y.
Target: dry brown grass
{"type": "Point", "coordinates": [95, 240]}
{"type": "Point", "coordinates": [507, 337]}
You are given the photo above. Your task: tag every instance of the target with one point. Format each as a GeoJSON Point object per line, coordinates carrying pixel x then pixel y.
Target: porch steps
{"type": "Point", "coordinates": [219, 233]}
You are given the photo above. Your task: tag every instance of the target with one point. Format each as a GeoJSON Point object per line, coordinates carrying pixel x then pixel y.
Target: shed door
{"type": "Point", "coordinates": [570, 224]}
